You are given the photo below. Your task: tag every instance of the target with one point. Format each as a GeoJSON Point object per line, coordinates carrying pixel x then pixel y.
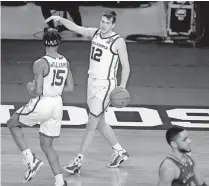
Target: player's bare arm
{"type": "Point", "coordinates": [38, 70]}
{"type": "Point", "coordinates": [198, 178]}
{"type": "Point", "coordinates": [86, 32]}
{"type": "Point", "coordinates": [69, 83]}
{"type": "Point", "coordinates": [167, 173]}
{"type": "Point", "coordinates": [121, 48]}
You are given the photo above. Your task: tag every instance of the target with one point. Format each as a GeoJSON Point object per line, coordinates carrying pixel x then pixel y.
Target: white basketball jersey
{"type": "Point", "coordinates": [103, 61]}
{"type": "Point", "coordinates": [54, 81]}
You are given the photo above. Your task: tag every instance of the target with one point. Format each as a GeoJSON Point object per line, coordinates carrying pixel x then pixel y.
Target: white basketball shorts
{"type": "Point", "coordinates": [98, 92]}
{"type": "Point", "coordinates": [46, 111]}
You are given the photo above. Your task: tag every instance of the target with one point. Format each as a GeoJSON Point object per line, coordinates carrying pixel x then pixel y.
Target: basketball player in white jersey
{"type": "Point", "coordinates": [52, 76]}
{"type": "Point", "coordinates": [107, 50]}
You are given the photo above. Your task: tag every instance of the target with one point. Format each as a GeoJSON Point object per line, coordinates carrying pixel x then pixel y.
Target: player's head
{"type": "Point", "coordinates": [178, 139]}
{"type": "Point", "coordinates": [107, 21]}
{"type": "Point", "coordinates": [51, 38]}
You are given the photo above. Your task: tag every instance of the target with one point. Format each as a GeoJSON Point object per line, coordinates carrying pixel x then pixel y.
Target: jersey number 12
{"type": "Point", "coordinates": [96, 54]}
{"type": "Point", "coordinates": [57, 77]}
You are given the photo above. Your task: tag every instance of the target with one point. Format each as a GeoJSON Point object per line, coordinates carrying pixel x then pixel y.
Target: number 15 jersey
{"type": "Point", "coordinates": [103, 60]}
{"type": "Point", "coordinates": [54, 80]}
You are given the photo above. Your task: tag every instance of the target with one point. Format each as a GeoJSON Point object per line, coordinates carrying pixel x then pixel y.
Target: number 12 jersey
{"type": "Point", "coordinates": [103, 60]}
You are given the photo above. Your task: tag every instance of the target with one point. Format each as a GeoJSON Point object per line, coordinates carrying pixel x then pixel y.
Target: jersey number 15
{"type": "Point", "coordinates": [57, 77]}
{"type": "Point", "coordinates": [96, 54]}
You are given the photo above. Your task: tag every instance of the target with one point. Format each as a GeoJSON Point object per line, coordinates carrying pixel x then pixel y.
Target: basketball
{"type": "Point", "coordinates": [119, 97]}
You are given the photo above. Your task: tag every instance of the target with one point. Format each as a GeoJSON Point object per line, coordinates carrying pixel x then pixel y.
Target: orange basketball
{"type": "Point", "coordinates": [119, 97]}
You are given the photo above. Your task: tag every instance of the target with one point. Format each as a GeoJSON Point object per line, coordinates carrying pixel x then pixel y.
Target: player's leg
{"type": "Point", "coordinates": [49, 130]}
{"type": "Point", "coordinates": [91, 126]}
{"type": "Point", "coordinates": [103, 127]}
{"type": "Point", "coordinates": [16, 131]}
{"type": "Point", "coordinates": [93, 120]}
{"type": "Point", "coordinates": [120, 154]}
{"type": "Point", "coordinates": [107, 132]}
{"type": "Point", "coordinates": [94, 102]}
{"type": "Point", "coordinates": [53, 159]}
{"type": "Point", "coordinates": [22, 117]}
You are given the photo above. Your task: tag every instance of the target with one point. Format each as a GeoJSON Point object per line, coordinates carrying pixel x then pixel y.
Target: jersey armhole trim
{"type": "Point", "coordinates": [68, 65]}
{"type": "Point", "coordinates": [189, 157]}
{"type": "Point", "coordinates": [173, 159]}
{"type": "Point", "coordinates": [112, 45]}
{"type": "Point", "coordinates": [48, 66]}
{"type": "Point", "coordinates": [94, 34]}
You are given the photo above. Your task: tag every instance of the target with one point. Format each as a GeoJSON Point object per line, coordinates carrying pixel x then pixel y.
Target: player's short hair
{"type": "Point", "coordinates": [172, 133]}
{"type": "Point", "coordinates": [51, 37]}
{"type": "Point", "coordinates": [110, 14]}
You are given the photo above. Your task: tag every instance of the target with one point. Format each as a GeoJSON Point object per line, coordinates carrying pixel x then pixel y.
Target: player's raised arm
{"type": "Point", "coordinates": [167, 173]}
{"type": "Point", "coordinates": [86, 32]}
{"type": "Point", "coordinates": [69, 83]}
{"type": "Point", "coordinates": [121, 48]}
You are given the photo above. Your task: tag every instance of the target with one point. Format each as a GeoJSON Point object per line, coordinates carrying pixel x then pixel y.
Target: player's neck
{"type": "Point", "coordinates": [107, 34]}
{"type": "Point", "coordinates": [52, 52]}
{"type": "Point", "coordinates": [178, 154]}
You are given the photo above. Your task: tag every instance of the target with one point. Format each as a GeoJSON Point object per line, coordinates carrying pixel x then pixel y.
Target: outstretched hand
{"type": "Point", "coordinates": [54, 18]}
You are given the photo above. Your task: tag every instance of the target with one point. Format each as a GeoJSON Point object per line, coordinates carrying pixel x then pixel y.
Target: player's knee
{"type": "Point", "coordinates": [100, 126]}
{"type": "Point", "coordinates": [13, 121]}
{"type": "Point", "coordinates": [92, 122]}
{"type": "Point", "coordinates": [103, 126]}
{"type": "Point", "coordinates": [90, 126]}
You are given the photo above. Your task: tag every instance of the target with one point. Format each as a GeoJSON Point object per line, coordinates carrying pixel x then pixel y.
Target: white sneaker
{"type": "Point", "coordinates": [32, 169]}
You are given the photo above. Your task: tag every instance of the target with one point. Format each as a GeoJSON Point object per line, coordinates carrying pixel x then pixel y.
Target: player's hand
{"type": "Point", "coordinates": [54, 18]}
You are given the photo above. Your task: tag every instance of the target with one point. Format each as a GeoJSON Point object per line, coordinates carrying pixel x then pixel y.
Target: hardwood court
{"type": "Point", "coordinates": [146, 147]}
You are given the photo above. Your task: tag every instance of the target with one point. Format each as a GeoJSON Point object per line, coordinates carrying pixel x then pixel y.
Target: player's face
{"type": "Point", "coordinates": [106, 25]}
{"type": "Point", "coordinates": [183, 142]}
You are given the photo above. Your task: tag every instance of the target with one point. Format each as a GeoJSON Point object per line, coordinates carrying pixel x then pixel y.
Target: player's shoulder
{"type": "Point", "coordinates": [168, 164]}
{"type": "Point", "coordinates": [41, 62]}
{"type": "Point", "coordinates": [118, 38]}
{"type": "Point", "coordinates": [120, 42]}
{"type": "Point", "coordinates": [92, 31]}
{"type": "Point", "coordinates": [168, 169]}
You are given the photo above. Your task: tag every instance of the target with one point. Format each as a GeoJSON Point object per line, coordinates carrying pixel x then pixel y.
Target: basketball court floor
{"type": "Point", "coordinates": [160, 75]}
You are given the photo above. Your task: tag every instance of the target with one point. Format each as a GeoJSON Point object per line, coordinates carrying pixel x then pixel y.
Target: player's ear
{"type": "Point", "coordinates": [113, 25]}
{"type": "Point", "coordinates": [173, 144]}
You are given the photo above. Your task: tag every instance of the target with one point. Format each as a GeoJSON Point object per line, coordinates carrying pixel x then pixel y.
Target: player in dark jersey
{"type": "Point", "coordinates": [178, 168]}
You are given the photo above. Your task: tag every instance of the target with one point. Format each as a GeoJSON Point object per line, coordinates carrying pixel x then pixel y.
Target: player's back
{"type": "Point", "coordinates": [54, 80]}
{"type": "Point", "coordinates": [186, 170]}
{"type": "Point", "coordinates": [103, 60]}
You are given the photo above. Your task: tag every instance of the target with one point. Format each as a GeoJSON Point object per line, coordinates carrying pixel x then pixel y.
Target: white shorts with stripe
{"type": "Point", "coordinates": [98, 93]}
{"type": "Point", "coordinates": [46, 111]}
